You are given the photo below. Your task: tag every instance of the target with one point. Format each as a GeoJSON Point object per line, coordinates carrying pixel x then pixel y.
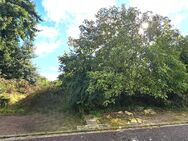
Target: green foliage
{"type": "Point", "coordinates": [106, 86]}
{"type": "Point", "coordinates": [19, 96]}
{"type": "Point", "coordinates": [3, 101]}
{"type": "Point", "coordinates": [42, 81]}
{"type": "Point", "coordinates": [124, 52]}
{"type": "Point", "coordinates": [184, 53]}
{"type": "Point", "coordinates": [18, 20]}
{"type": "Point", "coordinates": [15, 86]}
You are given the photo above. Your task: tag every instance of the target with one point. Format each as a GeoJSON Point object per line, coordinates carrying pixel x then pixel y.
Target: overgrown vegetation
{"type": "Point", "coordinates": [19, 96]}
{"type": "Point", "coordinates": [17, 86]}
{"type": "Point", "coordinates": [122, 59]}
{"type": "Point", "coordinates": [125, 55]}
{"type": "Point", "coordinates": [48, 99]}
{"type": "Point", "coordinates": [14, 90]}
{"type": "Point", "coordinates": [125, 68]}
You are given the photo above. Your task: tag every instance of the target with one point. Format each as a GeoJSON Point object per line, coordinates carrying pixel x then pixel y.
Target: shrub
{"type": "Point", "coordinates": [115, 55]}
{"type": "Point", "coordinates": [4, 101]}
{"type": "Point", "coordinates": [17, 86]}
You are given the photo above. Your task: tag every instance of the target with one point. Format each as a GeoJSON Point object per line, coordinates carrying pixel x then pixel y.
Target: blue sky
{"type": "Point", "coordinates": [62, 18]}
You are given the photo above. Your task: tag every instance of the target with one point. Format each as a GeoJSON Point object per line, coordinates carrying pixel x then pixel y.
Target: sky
{"type": "Point", "coordinates": [61, 19]}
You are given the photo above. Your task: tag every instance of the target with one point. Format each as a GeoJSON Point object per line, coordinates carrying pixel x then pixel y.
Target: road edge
{"type": "Point", "coordinates": [76, 132]}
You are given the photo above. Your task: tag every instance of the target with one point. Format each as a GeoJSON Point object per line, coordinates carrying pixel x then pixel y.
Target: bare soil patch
{"type": "Point", "coordinates": [23, 124]}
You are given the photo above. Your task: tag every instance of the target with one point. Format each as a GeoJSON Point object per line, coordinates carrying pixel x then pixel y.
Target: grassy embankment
{"type": "Point", "coordinates": [43, 108]}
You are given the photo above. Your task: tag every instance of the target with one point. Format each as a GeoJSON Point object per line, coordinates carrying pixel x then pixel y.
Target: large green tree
{"type": "Point", "coordinates": [18, 19]}
{"type": "Point", "coordinates": [124, 52]}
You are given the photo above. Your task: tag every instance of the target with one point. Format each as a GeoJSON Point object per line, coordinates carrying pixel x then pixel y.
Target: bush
{"type": "Point", "coordinates": [113, 57]}
{"type": "Point", "coordinates": [17, 86]}
{"type": "Point", "coordinates": [4, 101]}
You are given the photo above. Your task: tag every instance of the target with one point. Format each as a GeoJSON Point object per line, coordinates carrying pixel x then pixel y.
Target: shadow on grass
{"type": "Point", "coordinates": [43, 101]}
{"type": "Point", "coordinates": [50, 99]}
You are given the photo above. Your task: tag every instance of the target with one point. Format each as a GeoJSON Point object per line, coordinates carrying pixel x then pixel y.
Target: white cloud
{"type": "Point", "coordinates": [73, 12]}
{"type": "Point", "coordinates": [47, 31]}
{"type": "Point", "coordinates": [42, 48]}
{"type": "Point", "coordinates": [58, 10]}
{"type": "Point", "coordinates": [47, 40]}
{"type": "Point", "coordinates": [175, 9]}
{"type": "Point", "coordinates": [163, 7]}
{"type": "Point", "coordinates": [54, 68]}
{"type": "Point", "coordinates": [73, 31]}
{"type": "Point", "coordinates": [50, 76]}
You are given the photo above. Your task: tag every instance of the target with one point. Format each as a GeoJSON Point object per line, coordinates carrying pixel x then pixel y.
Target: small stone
{"type": "Point", "coordinates": [104, 126]}
{"type": "Point", "coordinates": [91, 126]}
{"type": "Point", "coordinates": [149, 112]}
{"type": "Point", "coordinates": [116, 121]}
{"type": "Point", "coordinates": [133, 120]}
{"type": "Point", "coordinates": [120, 112]}
{"type": "Point", "coordinates": [92, 121]}
{"type": "Point", "coordinates": [80, 127]}
{"type": "Point", "coordinates": [184, 115]}
{"type": "Point", "coordinates": [108, 116]}
{"type": "Point", "coordinates": [128, 113]}
{"type": "Point", "coordinates": [139, 120]}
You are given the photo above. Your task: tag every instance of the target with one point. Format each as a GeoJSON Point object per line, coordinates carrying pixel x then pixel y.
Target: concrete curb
{"type": "Point", "coordinates": [76, 132]}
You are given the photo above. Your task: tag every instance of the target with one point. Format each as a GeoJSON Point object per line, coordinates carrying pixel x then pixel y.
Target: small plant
{"type": "Point", "coordinates": [4, 101]}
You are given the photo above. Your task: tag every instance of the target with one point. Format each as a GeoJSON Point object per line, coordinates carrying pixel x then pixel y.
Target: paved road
{"type": "Point", "coordinates": [170, 133]}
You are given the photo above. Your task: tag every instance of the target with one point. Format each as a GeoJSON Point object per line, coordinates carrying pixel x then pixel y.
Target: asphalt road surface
{"type": "Point", "coordinates": [168, 133]}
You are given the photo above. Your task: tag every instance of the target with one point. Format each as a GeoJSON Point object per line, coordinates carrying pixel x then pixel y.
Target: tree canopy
{"type": "Point", "coordinates": [18, 19]}
{"type": "Point", "coordinates": [124, 52]}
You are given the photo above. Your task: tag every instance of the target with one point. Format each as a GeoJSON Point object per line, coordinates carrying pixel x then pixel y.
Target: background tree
{"type": "Point", "coordinates": [18, 19]}
{"type": "Point", "coordinates": [124, 52]}
{"type": "Point", "coordinates": [184, 53]}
